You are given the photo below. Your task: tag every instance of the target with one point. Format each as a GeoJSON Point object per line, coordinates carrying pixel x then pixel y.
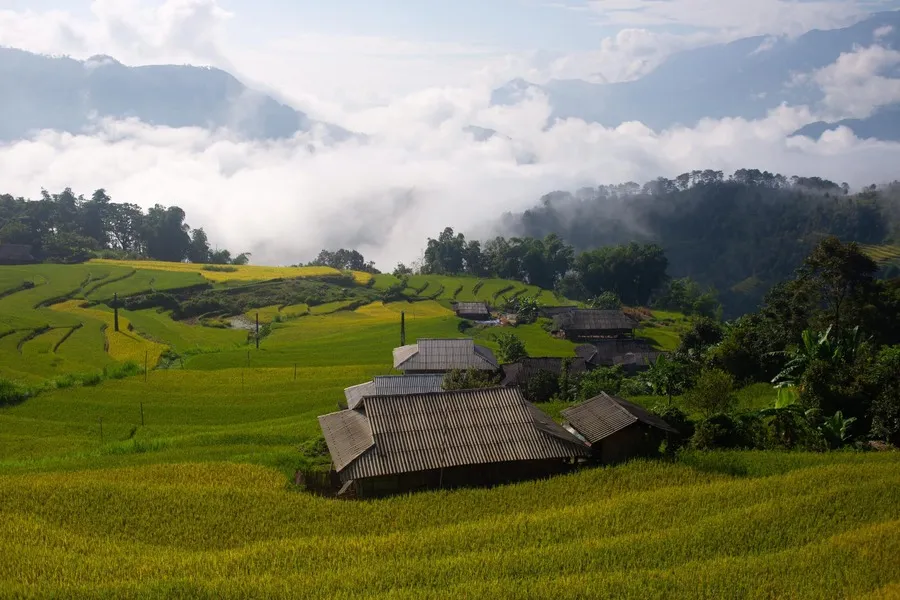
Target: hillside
{"type": "Point", "coordinates": [64, 94]}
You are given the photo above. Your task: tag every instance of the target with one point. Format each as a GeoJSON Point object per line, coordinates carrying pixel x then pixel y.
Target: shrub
{"type": "Point", "coordinates": [91, 379]}
{"type": "Point", "coordinates": [12, 393]}
{"type": "Point", "coordinates": [470, 379]}
{"type": "Point", "coordinates": [679, 421]}
{"type": "Point", "coordinates": [127, 369]}
{"type": "Point", "coordinates": [220, 268]}
{"type": "Point", "coordinates": [464, 325]}
{"type": "Point", "coordinates": [511, 348]}
{"type": "Point", "coordinates": [712, 393]}
{"type": "Point", "coordinates": [716, 431]}
{"type": "Point", "coordinates": [541, 387]}
{"type": "Point", "coordinates": [606, 301]}
{"type": "Point", "coordinates": [602, 379]}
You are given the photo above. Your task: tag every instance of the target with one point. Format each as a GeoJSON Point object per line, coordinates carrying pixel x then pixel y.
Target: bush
{"type": "Point", "coordinates": [464, 325]}
{"type": "Point", "coordinates": [541, 387]}
{"type": "Point", "coordinates": [12, 393]}
{"type": "Point", "coordinates": [717, 431]}
{"type": "Point", "coordinates": [220, 268]}
{"type": "Point", "coordinates": [127, 369]}
{"type": "Point", "coordinates": [91, 379]}
{"type": "Point", "coordinates": [470, 379]}
{"type": "Point", "coordinates": [606, 301]}
{"type": "Point", "coordinates": [602, 379]}
{"type": "Point", "coordinates": [712, 393]}
{"type": "Point", "coordinates": [511, 348]}
{"type": "Point", "coordinates": [679, 421]}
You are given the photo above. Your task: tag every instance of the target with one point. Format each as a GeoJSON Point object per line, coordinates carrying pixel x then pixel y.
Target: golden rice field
{"type": "Point", "coordinates": [882, 253]}
{"type": "Point", "coordinates": [241, 272]}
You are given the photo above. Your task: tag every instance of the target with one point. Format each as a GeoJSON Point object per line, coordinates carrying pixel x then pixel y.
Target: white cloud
{"type": "Point", "coordinates": [856, 84]}
{"type": "Point", "coordinates": [882, 31]}
{"type": "Point", "coordinates": [419, 172]}
{"type": "Point", "coordinates": [734, 17]}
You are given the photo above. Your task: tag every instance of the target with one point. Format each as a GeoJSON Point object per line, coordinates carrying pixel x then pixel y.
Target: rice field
{"type": "Point", "coordinates": [883, 253]}
{"type": "Point", "coordinates": [240, 272]}
{"type": "Point", "coordinates": [177, 484]}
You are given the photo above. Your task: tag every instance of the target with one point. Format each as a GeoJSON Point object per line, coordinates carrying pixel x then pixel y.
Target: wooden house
{"type": "Point", "coordinates": [393, 385]}
{"type": "Point", "coordinates": [588, 323]}
{"type": "Point", "coordinates": [473, 311]}
{"type": "Point", "coordinates": [16, 254]}
{"type": "Point", "coordinates": [442, 355]}
{"type": "Point", "coordinates": [613, 351]}
{"type": "Point", "coordinates": [617, 430]}
{"type": "Point", "coordinates": [395, 444]}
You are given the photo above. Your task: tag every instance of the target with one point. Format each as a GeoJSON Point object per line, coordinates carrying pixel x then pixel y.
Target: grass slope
{"type": "Point", "coordinates": [240, 273]}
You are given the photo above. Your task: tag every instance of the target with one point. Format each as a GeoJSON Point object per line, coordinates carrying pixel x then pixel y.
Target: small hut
{"type": "Point", "coordinates": [588, 323]}
{"type": "Point", "coordinates": [473, 311]}
{"type": "Point", "coordinates": [617, 430]}
{"type": "Point", "coordinates": [395, 444]}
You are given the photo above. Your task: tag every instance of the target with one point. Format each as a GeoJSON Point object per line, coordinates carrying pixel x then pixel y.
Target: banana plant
{"type": "Point", "coordinates": [836, 429]}
{"type": "Point", "coordinates": [788, 418]}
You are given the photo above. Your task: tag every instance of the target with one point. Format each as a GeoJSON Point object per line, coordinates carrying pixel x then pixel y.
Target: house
{"type": "Point", "coordinates": [16, 254]}
{"type": "Point", "coordinates": [474, 311]}
{"type": "Point", "coordinates": [585, 323]}
{"type": "Point", "coordinates": [392, 385]}
{"type": "Point", "coordinates": [617, 430]}
{"type": "Point", "coordinates": [635, 362]}
{"type": "Point", "coordinates": [521, 371]}
{"type": "Point", "coordinates": [442, 355]}
{"type": "Point", "coordinates": [551, 311]}
{"type": "Point", "coordinates": [391, 444]}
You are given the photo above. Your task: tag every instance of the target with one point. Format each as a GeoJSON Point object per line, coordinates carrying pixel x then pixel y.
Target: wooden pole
{"type": "Point", "coordinates": [116, 311]}
{"type": "Point", "coordinates": [402, 328]}
{"type": "Point", "coordinates": [257, 331]}
{"type": "Point", "coordinates": [142, 414]}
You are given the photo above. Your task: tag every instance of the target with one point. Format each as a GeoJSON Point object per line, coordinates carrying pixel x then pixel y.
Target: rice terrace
{"type": "Point", "coordinates": [181, 455]}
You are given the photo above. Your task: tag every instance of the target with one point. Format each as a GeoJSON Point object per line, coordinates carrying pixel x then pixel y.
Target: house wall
{"type": "Point", "coordinates": [463, 476]}
{"type": "Point", "coordinates": [632, 442]}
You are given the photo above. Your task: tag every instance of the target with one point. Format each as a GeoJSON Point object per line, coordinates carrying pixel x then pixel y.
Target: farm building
{"type": "Point", "coordinates": [392, 385]}
{"type": "Point", "coordinates": [442, 355]}
{"type": "Point", "coordinates": [391, 444]}
{"type": "Point", "coordinates": [616, 429]}
{"type": "Point", "coordinates": [605, 352]}
{"type": "Point", "coordinates": [16, 254]}
{"type": "Point", "coordinates": [551, 311]}
{"type": "Point", "coordinates": [474, 311]}
{"type": "Point", "coordinates": [594, 323]}
{"type": "Point", "coordinates": [521, 371]}
{"type": "Point", "coordinates": [635, 362]}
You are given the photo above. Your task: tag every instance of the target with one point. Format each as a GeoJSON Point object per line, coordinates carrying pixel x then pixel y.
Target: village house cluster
{"type": "Point", "coordinates": [399, 433]}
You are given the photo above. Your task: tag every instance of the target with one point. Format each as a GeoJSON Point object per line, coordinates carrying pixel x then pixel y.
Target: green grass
{"type": "Point", "coordinates": [144, 280]}
{"type": "Point", "coordinates": [664, 329]}
{"type": "Point", "coordinates": [183, 337]}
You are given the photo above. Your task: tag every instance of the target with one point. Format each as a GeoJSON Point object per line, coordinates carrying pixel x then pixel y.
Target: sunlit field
{"type": "Point", "coordinates": [239, 272]}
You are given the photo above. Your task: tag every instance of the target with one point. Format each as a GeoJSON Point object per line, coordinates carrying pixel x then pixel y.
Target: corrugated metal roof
{"type": "Point", "coordinates": [641, 359]}
{"type": "Point", "coordinates": [430, 431]}
{"type": "Point", "coordinates": [604, 352]}
{"type": "Point", "coordinates": [355, 393]}
{"type": "Point", "coordinates": [444, 355]}
{"type": "Point", "coordinates": [589, 319]}
{"type": "Point", "coordinates": [347, 434]}
{"type": "Point", "coordinates": [392, 385]}
{"type": "Point", "coordinates": [604, 415]}
{"type": "Point", "coordinates": [472, 308]}
{"type": "Point", "coordinates": [519, 372]}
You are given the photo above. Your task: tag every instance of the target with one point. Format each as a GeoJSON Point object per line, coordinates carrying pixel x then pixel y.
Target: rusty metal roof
{"type": "Point", "coordinates": [519, 372]}
{"type": "Point", "coordinates": [347, 434]}
{"type": "Point", "coordinates": [444, 355]}
{"type": "Point", "coordinates": [418, 432]}
{"type": "Point", "coordinates": [604, 415]}
{"type": "Point", "coordinates": [589, 319]}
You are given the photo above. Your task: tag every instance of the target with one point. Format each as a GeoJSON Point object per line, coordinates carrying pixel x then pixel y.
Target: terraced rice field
{"type": "Point", "coordinates": [883, 253]}
{"type": "Point", "coordinates": [240, 273]}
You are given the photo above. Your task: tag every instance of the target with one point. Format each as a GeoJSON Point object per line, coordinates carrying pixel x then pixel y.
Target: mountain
{"type": "Point", "coordinates": [64, 94]}
{"type": "Point", "coordinates": [883, 125]}
{"type": "Point", "coordinates": [745, 78]}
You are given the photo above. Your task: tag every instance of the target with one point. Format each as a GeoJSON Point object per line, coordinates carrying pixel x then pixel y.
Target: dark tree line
{"type": "Point", "coordinates": [69, 228]}
{"type": "Point", "coordinates": [630, 271]}
{"type": "Point", "coordinates": [740, 234]}
{"type": "Point", "coordinates": [344, 260]}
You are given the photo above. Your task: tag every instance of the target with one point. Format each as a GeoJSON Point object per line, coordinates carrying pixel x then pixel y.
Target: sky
{"type": "Point", "coordinates": [412, 75]}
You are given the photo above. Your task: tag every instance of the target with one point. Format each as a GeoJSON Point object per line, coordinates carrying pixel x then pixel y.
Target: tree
{"type": "Point", "coordinates": [631, 271]}
{"type": "Point", "coordinates": [601, 379]}
{"type": "Point", "coordinates": [885, 389]}
{"type": "Point", "coordinates": [198, 252]}
{"type": "Point", "coordinates": [446, 254]}
{"type": "Point", "coordinates": [787, 418]}
{"type": "Point", "coordinates": [242, 259]}
{"type": "Point", "coordinates": [542, 386]}
{"type": "Point", "coordinates": [511, 348]}
{"type": "Point", "coordinates": [166, 234]}
{"type": "Point", "coordinates": [401, 270]}
{"type": "Point", "coordinates": [470, 379]}
{"type": "Point", "coordinates": [606, 301]}
{"type": "Point", "coordinates": [713, 393]}
{"type": "Point", "coordinates": [667, 377]}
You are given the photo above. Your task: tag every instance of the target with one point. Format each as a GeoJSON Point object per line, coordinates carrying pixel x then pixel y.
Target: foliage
{"type": "Point", "coordinates": [712, 393]}
{"type": "Point", "coordinates": [679, 421]}
{"type": "Point", "coordinates": [542, 386]}
{"type": "Point", "coordinates": [631, 271]}
{"type": "Point", "coordinates": [667, 377]}
{"type": "Point", "coordinates": [12, 393]}
{"type": "Point", "coordinates": [718, 431]}
{"type": "Point", "coordinates": [469, 379]}
{"type": "Point", "coordinates": [601, 379]}
{"type": "Point", "coordinates": [220, 268]}
{"type": "Point", "coordinates": [686, 296]}
{"type": "Point", "coordinates": [885, 385]}
{"type": "Point", "coordinates": [344, 260]}
{"type": "Point", "coordinates": [605, 301]}
{"type": "Point", "coordinates": [511, 347]}
{"type": "Point", "coordinates": [526, 308]}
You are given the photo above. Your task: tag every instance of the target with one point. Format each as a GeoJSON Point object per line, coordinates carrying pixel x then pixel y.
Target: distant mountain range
{"type": "Point", "coordinates": [745, 78]}
{"type": "Point", "coordinates": [64, 94]}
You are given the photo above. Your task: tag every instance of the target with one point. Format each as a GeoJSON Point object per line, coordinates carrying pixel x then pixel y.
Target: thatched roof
{"type": "Point", "coordinates": [420, 432]}
{"type": "Point", "coordinates": [604, 415]}
{"type": "Point", "coordinates": [444, 355]}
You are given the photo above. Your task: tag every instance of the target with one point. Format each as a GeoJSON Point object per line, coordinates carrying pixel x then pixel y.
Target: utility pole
{"type": "Point", "coordinates": [402, 328]}
{"type": "Point", "coordinates": [116, 312]}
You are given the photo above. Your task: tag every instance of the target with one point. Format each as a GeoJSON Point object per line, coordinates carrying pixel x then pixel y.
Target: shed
{"type": "Point", "coordinates": [594, 323]}
{"type": "Point", "coordinates": [392, 385]}
{"type": "Point", "coordinates": [474, 311]}
{"type": "Point", "coordinates": [605, 352]}
{"type": "Point", "coordinates": [442, 355]}
{"type": "Point", "coordinates": [617, 430]}
{"type": "Point", "coordinates": [391, 444]}
{"type": "Point", "coordinates": [634, 362]}
{"type": "Point", "coordinates": [16, 254]}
